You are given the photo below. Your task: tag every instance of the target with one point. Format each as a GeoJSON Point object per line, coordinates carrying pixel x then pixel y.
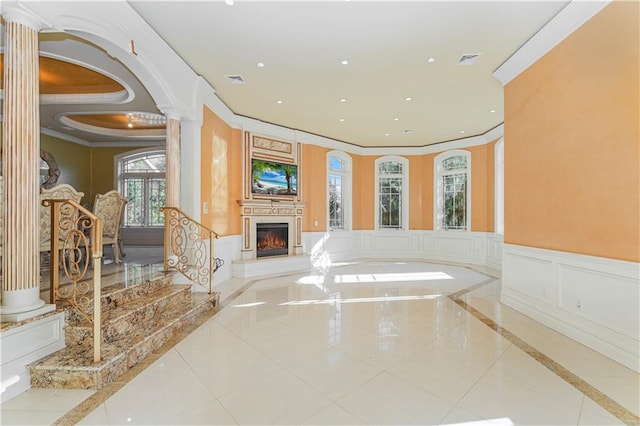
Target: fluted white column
{"type": "Point", "coordinates": [20, 160]}
{"type": "Point", "coordinates": [173, 161]}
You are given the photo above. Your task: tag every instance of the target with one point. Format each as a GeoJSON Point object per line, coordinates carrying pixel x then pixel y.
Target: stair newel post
{"type": "Point", "coordinates": [96, 254]}
{"type": "Point", "coordinates": [167, 237]}
{"type": "Point", "coordinates": [211, 262]}
{"type": "Point", "coordinates": [54, 254]}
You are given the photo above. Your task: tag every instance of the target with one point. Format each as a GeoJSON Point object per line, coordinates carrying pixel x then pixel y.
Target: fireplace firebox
{"type": "Point", "coordinates": [272, 239]}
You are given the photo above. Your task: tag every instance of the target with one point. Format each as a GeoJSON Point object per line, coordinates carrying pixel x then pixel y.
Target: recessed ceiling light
{"type": "Point", "coordinates": [229, 2]}
{"type": "Point", "coordinates": [396, 119]}
{"type": "Point", "coordinates": [345, 62]}
{"type": "Point", "coordinates": [342, 119]}
{"type": "Point", "coordinates": [461, 131]}
{"type": "Point", "coordinates": [260, 65]}
{"type": "Point", "coordinates": [408, 98]}
{"type": "Point", "coordinates": [431, 59]}
{"type": "Point", "coordinates": [493, 110]}
{"type": "Point", "coordinates": [343, 99]}
{"type": "Point", "coordinates": [386, 134]}
{"type": "Point", "coordinates": [278, 101]}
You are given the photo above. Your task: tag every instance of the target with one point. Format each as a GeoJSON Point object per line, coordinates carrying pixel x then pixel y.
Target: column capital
{"type": "Point", "coordinates": [12, 12]}
{"type": "Point", "coordinates": [170, 112]}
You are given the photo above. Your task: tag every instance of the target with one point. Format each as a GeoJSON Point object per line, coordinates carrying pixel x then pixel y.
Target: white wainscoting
{"type": "Point", "coordinates": [26, 344]}
{"type": "Point", "coordinates": [460, 247]}
{"type": "Point", "coordinates": [494, 250]}
{"type": "Point", "coordinates": [590, 299]}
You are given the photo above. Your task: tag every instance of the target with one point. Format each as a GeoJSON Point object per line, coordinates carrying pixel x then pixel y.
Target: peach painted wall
{"type": "Point", "coordinates": [313, 180]}
{"type": "Point", "coordinates": [221, 168]}
{"type": "Point", "coordinates": [420, 189]}
{"type": "Point", "coordinates": [482, 187]}
{"type": "Point", "coordinates": [363, 192]}
{"type": "Point", "coordinates": [572, 174]}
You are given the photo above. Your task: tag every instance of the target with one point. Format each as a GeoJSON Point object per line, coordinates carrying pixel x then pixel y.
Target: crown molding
{"type": "Point", "coordinates": [569, 19]}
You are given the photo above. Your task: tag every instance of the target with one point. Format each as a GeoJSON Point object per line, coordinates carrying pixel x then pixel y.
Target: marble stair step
{"type": "Point", "coordinates": [121, 320]}
{"type": "Point", "coordinates": [73, 366]}
{"type": "Point", "coordinates": [117, 295]}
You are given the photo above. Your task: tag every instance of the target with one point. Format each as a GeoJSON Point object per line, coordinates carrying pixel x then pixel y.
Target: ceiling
{"type": "Point", "coordinates": [389, 94]}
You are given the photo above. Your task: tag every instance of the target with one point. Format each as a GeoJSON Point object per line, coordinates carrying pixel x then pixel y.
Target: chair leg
{"type": "Point", "coordinates": [121, 248]}
{"type": "Point", "coordinates": [116, 253]}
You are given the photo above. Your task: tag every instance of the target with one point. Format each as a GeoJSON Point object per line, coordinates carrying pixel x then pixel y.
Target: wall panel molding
{"type": "Point", "coordinates": [591, 299]}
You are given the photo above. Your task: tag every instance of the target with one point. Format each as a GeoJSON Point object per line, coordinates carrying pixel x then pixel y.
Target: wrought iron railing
{"type": "Point", "coordinates": [76, 242]}
{"type": "Point", "coordinates": [185, 247]}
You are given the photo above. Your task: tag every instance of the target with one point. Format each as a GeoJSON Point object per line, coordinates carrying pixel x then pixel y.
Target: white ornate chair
{"type": "Point", "coordinates": [59, 192]}
{"type": "Point", "coordinates": [110, 208]}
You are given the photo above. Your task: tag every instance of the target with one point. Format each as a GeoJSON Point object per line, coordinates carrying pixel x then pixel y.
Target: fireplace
{"type": "Point", "coordinates": [272, 239]}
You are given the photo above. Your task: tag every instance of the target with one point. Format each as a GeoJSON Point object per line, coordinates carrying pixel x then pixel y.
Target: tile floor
{"type": "Point", "coordinates": [367, 342]}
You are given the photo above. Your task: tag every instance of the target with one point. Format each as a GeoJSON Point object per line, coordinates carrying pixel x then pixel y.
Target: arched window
{"type": "Point", "coordinates": [392, 192]}
{"type": "Point", "coordinates": [499, 189]}
{"type": "Point", "coordinates": [141, 179]}
{"type": "Point", "coordinates": [453, 192]}
{"type": "Point", "coordinates": [339, 190]}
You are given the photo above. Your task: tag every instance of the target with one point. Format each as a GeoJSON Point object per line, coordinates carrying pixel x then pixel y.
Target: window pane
{"type": "Point", "coordinates": [336, 164]}
{"type": "Point", "coordinates": [390, 167]}
{"type": "Point", "coordinates": [157, 199]}
{"type": "Point", "coordinates": [336, 216]}
{"type": "Point", "coordinates": [455, 201]}
{"type": "Point", "coordinates": [154, 163]}
{"type": "Point", "coordinates": [390, 201]}
{"type": "Point", "coordinates": [134, 209]}
{"type": "Point", "coordinates": [458, 162]}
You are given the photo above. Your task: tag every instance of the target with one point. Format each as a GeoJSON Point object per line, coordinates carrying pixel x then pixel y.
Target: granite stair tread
{"type": "Point", "coordinates": [136, 321]}
{"type": "Point", "coordinates": [119, 311]}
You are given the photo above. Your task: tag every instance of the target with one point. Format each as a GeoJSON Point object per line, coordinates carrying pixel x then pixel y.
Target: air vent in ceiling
{"type": "Point", "coordinates": [469, 59]}
{"type": "Point", "coordinates": [409, 131]}
{"type": "Point", "coordinates": [235, 79]}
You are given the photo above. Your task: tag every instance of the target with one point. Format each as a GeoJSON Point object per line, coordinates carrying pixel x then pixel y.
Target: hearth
{"type": "Point", "coordinates": [272, 239]}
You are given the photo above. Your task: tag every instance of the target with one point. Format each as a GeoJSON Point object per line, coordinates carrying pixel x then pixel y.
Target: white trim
{"type": "Point", "coordinates": [498, 190]}
{"type": "Point", "coordinates": [152, 134]}
{"type": "Point", "coordinates": [593, 300]}
{"type": "Point", "coordinates": [569, 19]}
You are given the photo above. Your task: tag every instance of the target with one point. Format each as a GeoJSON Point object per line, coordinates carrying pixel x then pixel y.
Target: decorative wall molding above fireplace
{"type": "Point", "coordinates": [254, 212]}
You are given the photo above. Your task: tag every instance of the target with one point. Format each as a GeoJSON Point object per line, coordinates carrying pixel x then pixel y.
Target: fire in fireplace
{"type": "Point", "coordinates": [272, 239]}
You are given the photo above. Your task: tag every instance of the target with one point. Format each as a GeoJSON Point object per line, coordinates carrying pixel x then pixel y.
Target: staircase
{"type": "Point", "coordinates": [136, 320]}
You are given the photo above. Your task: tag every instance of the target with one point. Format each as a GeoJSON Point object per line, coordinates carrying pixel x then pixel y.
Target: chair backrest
{"type": "Point", "coordinates": [1, 209]}
{"type": "Point", "coordinates": [59, 192]}
{"type": "Point", "coordinates": [110, 207]}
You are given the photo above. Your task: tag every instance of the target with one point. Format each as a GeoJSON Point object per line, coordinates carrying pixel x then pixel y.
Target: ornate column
{"type": "Point", "coordinates": [173, 161]}
{"type": "Point", "coordinates": [20, 160]}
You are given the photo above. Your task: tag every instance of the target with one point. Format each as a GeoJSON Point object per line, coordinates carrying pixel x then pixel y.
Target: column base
{"type": "Point", "coordinates": [21, 316]}
{"type": "Point", "coordinates": [18, 305]}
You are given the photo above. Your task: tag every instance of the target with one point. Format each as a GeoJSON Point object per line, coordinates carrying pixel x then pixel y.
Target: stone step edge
{"type": "Point", "coordinates": [111, 315]}
{"type": "Point", "coordinates": [111, 292]}
{"type": "Point", "coordinates": [107, 361]}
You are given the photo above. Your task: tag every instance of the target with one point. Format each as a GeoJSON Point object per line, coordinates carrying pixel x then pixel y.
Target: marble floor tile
{"type": "Point", "coordinates": [386, 399]}
{"type": "Point", "coordinates": [365, 342]}
{"type": "Point", "coordinates": [335, 373]}
{"type": "Point", "coordinates": [493, 398]}
{"type": "Point", "coordinates": [281, 398]}
{"type": "Point", "coordinates": [333, 415]}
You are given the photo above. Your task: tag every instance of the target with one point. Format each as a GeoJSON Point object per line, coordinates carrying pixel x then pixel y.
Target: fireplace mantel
{"type": "Point", "coordinates": [270, 211]}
